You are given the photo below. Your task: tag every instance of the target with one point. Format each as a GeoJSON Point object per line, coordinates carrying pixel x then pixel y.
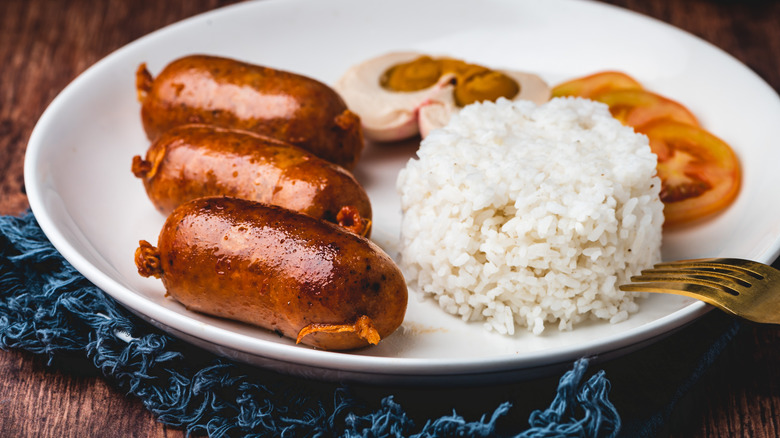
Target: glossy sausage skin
{"type": "Point", "coordinates": [193, 161]}
{"type": "Point", "coordinates": [233, 94]}
{"type": "Point", "coordinates": [275, 268]}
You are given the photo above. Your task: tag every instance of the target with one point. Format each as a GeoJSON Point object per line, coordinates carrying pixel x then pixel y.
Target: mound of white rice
{"type": "Point", "coordinates": [522, 215]}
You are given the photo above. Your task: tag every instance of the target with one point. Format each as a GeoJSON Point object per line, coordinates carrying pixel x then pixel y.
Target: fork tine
{"type": "Point", "coordinates": [735, 276]}
{"type": "Point", "coordinates": [746, 269]}
{"type": "Point", "coordinates": [728, 282]}
{"type": "Point", "coordinates": [740, 287]}
{"type": "Point", "coordinates": [710, 295]}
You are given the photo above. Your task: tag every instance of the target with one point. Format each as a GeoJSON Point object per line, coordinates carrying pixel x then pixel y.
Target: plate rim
{"type": "Point", "coordinates": [405, 366]}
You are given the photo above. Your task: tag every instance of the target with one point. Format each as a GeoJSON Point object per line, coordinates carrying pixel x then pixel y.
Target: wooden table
{"type": "Point", "coordinates": [45, 44]}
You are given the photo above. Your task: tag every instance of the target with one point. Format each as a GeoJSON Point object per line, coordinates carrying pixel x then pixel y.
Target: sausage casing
{"type": "Point", "coordinates": [193, 161]}
{"type": "Point", "coordinates": [233, 94]}
{"type": "Point", "coordinates": [275, 268]}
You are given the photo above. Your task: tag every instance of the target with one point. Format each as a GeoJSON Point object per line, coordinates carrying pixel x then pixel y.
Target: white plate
{"type": "Point", "coordinates": [80, 187]}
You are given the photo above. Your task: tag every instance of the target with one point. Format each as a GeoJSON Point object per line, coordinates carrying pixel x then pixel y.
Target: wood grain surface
{"type": "Point", "coordinates": [45, 44]}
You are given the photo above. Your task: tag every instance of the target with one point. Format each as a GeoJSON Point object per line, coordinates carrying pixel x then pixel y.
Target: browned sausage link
{"type": "Point", "coordinates": [233, 94]}
{"type": "Point", "coordinates": [299, 276]}
{"type": "Point", "coordinates": [193, 161]}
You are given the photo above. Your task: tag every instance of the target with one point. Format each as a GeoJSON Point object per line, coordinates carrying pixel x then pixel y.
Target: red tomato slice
{"type": "Point", "coordinates": [638, 107]}
{"type": "Point", "coordinates": [699, 172]}
{"type": "Point", "coordinates": [596, 83]}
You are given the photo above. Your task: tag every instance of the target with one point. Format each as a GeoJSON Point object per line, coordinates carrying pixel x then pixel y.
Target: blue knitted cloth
{"type": "Point", "coordinates": [49, 308]}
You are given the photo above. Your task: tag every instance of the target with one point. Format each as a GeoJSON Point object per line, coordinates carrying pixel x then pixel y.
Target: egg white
{"type": "Point", "coordinates": [396, 115]}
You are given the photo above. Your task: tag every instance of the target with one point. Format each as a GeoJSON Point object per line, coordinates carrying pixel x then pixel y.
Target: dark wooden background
{"type": "Point", "coordinates": [44, 44]}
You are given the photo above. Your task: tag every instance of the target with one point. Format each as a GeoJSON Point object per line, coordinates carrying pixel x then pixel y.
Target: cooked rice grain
{"type": "Point", "coordinates": [517, 214]}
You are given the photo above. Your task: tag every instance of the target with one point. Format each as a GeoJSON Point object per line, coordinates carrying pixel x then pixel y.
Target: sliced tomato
{"type": "Point", "coordinates": [699, 172]}
{"type": "Point", "coordinates": [638, 107]}
{"type": "Point", "coordinates": [596, 83]}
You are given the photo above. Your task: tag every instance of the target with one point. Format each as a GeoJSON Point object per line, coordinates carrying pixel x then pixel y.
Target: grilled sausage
{"type": "Point", "coordinates": [275, 268]}
{"type": "Point", "coordinates": [193, 161]}
{"type": "Point", "coordinates": [233, 94]}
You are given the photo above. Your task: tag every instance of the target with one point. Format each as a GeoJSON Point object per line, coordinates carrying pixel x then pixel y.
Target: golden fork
{"type": "Point", "coordinates": [744, 288]}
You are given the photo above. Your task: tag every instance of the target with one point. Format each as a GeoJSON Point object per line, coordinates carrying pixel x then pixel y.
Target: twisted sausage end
{"type": "Point", "coordinates": [141, 167]}
{"type": "Point", "coordinates": [143, 82]}
{"type": "Point", "coordinates": [349, 218]}
{"type": "Point", "coordinates": [147, 260]}
{"type": "Point", "coordinates": [351, 138]}
{"type": "Point", "coordinates": [347, 121]}
{"type": "Point", "coordinates": [363, 328]}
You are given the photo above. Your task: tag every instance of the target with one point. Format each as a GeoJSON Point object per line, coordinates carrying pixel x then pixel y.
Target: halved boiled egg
{"type": "Point", "coordinates": [402, 94]}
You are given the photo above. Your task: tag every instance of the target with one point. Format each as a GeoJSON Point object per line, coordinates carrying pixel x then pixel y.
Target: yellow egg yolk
{"type": "Point", "coordinates": [473, 83]}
